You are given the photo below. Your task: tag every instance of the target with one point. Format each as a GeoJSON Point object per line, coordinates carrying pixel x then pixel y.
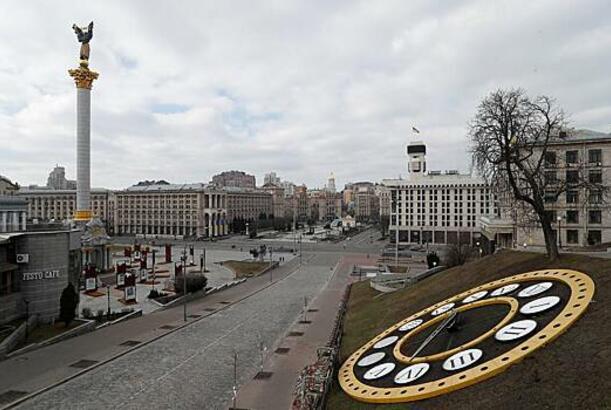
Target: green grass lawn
{"type": "Point", "coordinates": [574, 371]}
{"type": "Point", "coordinates": [246, 268]}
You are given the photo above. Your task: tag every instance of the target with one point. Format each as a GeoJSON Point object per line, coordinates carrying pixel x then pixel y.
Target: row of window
{"type": "Point", "coordinates": [572, 197]}
{"type": "Point", "coordinates": [595, 176]}
{"type": "Point", "coordinates": [595, 157]}
{"type": "Point", "coordinates": [572, 217]}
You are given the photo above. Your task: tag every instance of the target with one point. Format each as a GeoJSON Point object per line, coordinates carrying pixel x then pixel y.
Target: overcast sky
{"type": "Point", "coordinates": [191, 88]}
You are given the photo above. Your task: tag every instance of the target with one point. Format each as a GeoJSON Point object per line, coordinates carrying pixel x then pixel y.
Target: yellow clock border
{"type": "Point", "coordinates": [582, 290]}
{"type": "Point", "coordinates": [513, 308]}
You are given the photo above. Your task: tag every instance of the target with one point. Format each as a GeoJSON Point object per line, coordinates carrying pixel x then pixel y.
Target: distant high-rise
{"type": "Point", "coordinates": [57, 179]}
{"type": "Point", "coordinates": [331, 183]}
{"type": "Point", "coordinates": [271, 178]}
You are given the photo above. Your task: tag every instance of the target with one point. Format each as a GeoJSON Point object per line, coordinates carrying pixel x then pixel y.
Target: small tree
{"type": "Point", "coordinates": [510, 136]}
{"type": "Point", "coordinates": [67, 304]}
{"type": "Point", "coordinates": [457, 254]}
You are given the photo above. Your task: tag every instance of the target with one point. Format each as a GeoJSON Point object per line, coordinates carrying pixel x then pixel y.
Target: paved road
{"type": "Point", "coordinates": [193, 367]}
{"type": "Point", "coordinates": [276, 393]}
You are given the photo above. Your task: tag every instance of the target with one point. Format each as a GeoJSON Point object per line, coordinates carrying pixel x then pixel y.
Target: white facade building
{"type": "Point", "coordinates": [435, 207]}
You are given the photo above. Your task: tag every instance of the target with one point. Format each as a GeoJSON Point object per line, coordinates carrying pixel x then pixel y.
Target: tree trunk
{"type": "Point", "coordinates": [550, 240]}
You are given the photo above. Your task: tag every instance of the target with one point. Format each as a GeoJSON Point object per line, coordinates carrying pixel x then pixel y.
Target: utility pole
{"type": "Point", "coordinates": [235, 379]}
{"type": "Point", "coordinates": [184, 282]}
{"type": "Point", "coordinates": [108, 295]}
{"type": "Point", "coordinates": [271, 264]}
{"type": "Point", "coordinates": [153, 260]}
{"type": "Point", "coordinates": [397, 242]}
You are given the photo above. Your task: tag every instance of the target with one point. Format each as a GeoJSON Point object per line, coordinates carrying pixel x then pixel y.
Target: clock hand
{"type": "Point", "coordinates": [434, 333]}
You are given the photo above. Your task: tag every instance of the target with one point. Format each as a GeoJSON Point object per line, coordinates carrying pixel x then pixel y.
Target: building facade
{"type": "Point", "coordinates": [237, 179]}
{"type": "Point", "coordinates": [271, 178]}
{"type": "Point", "coordinates": [582, 215]}
{"type": "Point", "coordinates": [35, 267]}
{"type": "Point", "coordinates": [7, 187]}
{"type": "Point", "coordinates": [57, 179]}
{"type": "Point", "coordinates": [324, 205]}
{"type": "Point", "coordinates": [59, 205]}
{"type": "Point", "coordinates": [383, 194]}
{"type": "Point", "coordinates": [435, 207]}
{"type": "Point", "coordinates": [278, 199]}
{"type": "Point", "coordinates": [248, 204]}
{"type": "Point", "coordinates": [366, 202]}
{"type": "Point", "coordinates": [172, 210]}
{"type": "Point", "coordinates": [13, 214]}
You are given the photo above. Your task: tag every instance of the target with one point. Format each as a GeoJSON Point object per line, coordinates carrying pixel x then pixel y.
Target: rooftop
{"type": "Point", "coordinates": [198, 186]}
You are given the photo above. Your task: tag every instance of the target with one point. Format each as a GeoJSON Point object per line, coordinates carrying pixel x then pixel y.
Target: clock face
{"type": "Point", "coordinates": [466, 338]}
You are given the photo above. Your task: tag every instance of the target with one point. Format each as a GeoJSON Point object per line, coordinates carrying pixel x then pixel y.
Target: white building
{"type": "Point", "coordinates": [435, 207]}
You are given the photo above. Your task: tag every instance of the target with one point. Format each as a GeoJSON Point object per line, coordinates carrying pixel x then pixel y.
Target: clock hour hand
{"type": "Point", "coordinates": [447, 321]}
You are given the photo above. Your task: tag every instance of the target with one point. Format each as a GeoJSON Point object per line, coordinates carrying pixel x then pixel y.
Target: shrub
{"type": "Point", "coordinates": [195, 282]}
{"type": "Point", "coordinates": [86, 313]}
{"type": "Point", "coordinates": [68, 302]}
{"type": "Point", "coordinates": [154, 294]}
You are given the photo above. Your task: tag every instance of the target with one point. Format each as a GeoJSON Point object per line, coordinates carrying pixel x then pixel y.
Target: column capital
{"type": "Point", "coordinates": [83, 77]}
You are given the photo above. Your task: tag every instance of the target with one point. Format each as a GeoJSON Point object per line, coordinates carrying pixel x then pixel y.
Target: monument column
{"type": "Point", "coordinates": [83, 78]}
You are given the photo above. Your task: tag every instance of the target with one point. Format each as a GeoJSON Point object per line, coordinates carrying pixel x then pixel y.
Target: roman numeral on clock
{"type": "Point", "coordinates": [411, 373]}
{"type": "Point", "coordinates": [515, 330]}
{"type": "Point", "coordinates": [462, 359]}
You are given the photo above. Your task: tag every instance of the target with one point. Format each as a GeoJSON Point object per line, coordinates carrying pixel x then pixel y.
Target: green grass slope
{"type": "Point", "coordinates": [572, 372]}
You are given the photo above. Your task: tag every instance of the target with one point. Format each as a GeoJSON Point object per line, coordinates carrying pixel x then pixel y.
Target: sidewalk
{"type": "Point", "coordinates": [30, 372]}
{"type": "Point", "coordinates": [276, 392]}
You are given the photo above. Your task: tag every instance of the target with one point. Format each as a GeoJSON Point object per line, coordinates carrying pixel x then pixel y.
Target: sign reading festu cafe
{"type": "Point", "coordinates": [49, 274]}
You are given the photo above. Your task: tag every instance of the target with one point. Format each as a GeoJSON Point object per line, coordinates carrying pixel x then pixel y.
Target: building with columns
{"type": "Point", "coordinates": [435, 207]}
{"type": "Point", "coordinates": [13, 214]}
{"type": "Point", "coordinates": [59, 204]}
{"type": "Point", "coordinates": [173, 210]}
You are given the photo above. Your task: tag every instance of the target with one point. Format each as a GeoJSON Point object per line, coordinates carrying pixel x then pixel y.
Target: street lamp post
{"type": "Point", "coordinates": [184, 282]}
{"type": "Point", "coordinates": [271, 263]}
{"type": "Point", "coordinates": [559, 219]}
{"type": "Point", "coordinates": [27, 317]}
{"type": "Point", "coordinates": [108, 297]}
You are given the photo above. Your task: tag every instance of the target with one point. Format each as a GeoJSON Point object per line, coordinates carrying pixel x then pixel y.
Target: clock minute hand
{"type": "Point", "coordinates": [435, 332]}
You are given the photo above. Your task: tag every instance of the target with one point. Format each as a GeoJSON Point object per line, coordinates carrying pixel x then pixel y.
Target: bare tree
{"type": "Point", "coordinates": [510, 137]}
{"type": "Point", "coordinates": [457, 254]}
